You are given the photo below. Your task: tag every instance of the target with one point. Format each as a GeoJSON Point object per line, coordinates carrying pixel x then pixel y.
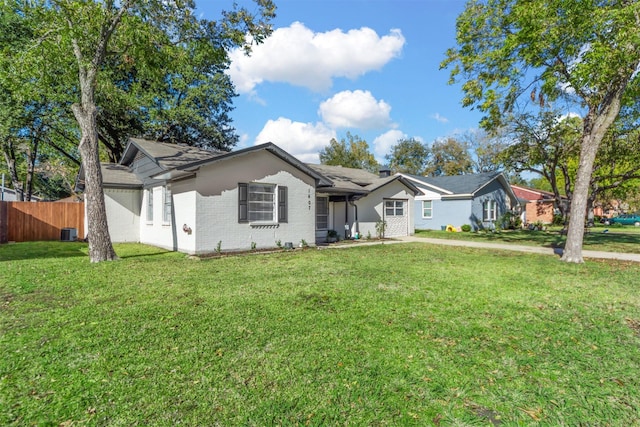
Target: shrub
{"type": "Point", "coordinates": [380, 227]}
{"type": "Point", "coordinates": [558, 219]}
{"type": "Point", "coordinates": [510, 221]}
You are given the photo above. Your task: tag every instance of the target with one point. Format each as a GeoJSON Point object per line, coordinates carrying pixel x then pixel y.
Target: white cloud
{"type": "Point", "coordinates": [383, 143]}
{"type": "Point", "coordinates": [357, 109]}
{"type": "Point", "coordinates": [438, 118]}
{"type": "Point", "coordinates": [302, 140]}
{"type": "Point", "coordinates": [298, 56]}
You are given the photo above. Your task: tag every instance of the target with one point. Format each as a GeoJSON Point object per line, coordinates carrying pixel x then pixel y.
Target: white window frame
{"type": "Point", "coordinates": [393, 208]}
{"type": "Point", "coordinates": [257, 215]}
{"type": "Point", "coordinates": [324, 215]}
{"type": "Point", "coordinates": [150, 205]}
{"type": "Point", "coordinates": [489, 210]}
{"type": "Point", "coordinates": [430, 208]}
{"type": "Point", "coordinates": [166, 204]}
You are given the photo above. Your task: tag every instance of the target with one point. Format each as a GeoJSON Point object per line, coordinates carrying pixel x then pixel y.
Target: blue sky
{"type": "Point", "coordinates": [369, 67]}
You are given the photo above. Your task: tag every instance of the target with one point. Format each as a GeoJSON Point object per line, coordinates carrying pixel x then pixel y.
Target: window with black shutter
{"type": "Point", "coordinates": [282, 204]}
{"type": "Point", "coordinates": [243, 199]}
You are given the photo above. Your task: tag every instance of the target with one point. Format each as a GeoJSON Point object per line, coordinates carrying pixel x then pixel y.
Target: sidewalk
{"type": "Point", "coordinates": [499, 246]}
{"type": "Point", "coordinates": [522, 248]}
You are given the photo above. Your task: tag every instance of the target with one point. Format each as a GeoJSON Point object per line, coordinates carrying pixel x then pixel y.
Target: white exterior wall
{"type": "Point", "coordinates": [123, 207]}
{"type": "Point", "coordinates": [184, 199]}
{"type": "Point", "coordinates": [156, 232]}
{"type": "Point", "coordinates": [217, 205]}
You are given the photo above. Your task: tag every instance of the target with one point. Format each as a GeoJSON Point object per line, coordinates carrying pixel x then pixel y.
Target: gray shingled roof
{"type": "Point", "coordinates": [350, 180]}
{"type": "Point", "coordinates": [458, 184]}
{"type": "Point", "coordinates": [115, 175]}
{"type": "Point", "coordinates": [169, 156]}
{"type": "Point", "coordinates": [347, 179]}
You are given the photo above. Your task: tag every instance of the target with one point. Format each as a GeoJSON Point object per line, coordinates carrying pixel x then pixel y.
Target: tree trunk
{"type": "Point", "coordinates": [100, 247]}
{"type": "Point", "coordinates": [32, 156]}
{"type": "Point", "coordinates": [10, 158]}
{"type": "Point", "coordinates": [595, 127]}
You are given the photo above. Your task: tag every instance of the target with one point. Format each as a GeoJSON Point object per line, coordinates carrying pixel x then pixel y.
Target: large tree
{"type": "Point", "coordinates": [587, 52]}
{"type": "Point", "coordinates": [86, 35]}
{"type": "Point", "coordinates": [449, 156]}
{"type": "Point", "coordinates": [545, 144]}
{"type": "Point", "coordinates": [352, 152]}
{"type": "Point", "coordinates": [485, 149]}
{"type": "Point", "coordinates": [408, 156]}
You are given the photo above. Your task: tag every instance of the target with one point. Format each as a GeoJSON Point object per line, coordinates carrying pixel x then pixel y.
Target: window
{"type": "Point", "coordinates": [489, 210]}
{"type": "Point", "coordinates": [394, 208]}
{"type": "Point", "coordinates": [166, 205]}
{"type": "Point", "coordinates": [322, 213]}
{"type": "Point", "coordinates": [150, 205]}
{"type": "Point", "coordinates": [427, 209]}
{"type": "Point", "coordinates": [258, 202]}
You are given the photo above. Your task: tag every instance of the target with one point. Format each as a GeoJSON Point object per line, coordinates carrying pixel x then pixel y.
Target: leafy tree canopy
{"type": "Point", "coordinates": [408, 156]}
{"type": "Point", "coordinates": [449, 157]}
{"type": "Point", "coordinates": [352, 152]}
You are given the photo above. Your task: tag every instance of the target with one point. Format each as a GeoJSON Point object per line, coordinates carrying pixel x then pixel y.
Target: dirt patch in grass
{"type": "Point", "coordinates": [634, 325]}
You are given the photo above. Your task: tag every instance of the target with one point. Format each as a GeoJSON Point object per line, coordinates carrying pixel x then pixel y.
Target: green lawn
{"type": "Point", "coordinates": [403, 334]}
{"type": "Point", "coordinates": [614, 239]}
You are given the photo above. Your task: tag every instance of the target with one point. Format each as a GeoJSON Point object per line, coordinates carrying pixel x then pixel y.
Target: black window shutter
{"type": "Point", "coordinates": [243, 198]}
{"type": "Point", "coordinates": [282, 204]}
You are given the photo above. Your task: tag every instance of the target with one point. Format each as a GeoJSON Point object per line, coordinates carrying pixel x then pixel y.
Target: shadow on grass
{"type": "Point", "coordinates": [56, 249]}
{"type": "Point", "coordinates": [41, 250]}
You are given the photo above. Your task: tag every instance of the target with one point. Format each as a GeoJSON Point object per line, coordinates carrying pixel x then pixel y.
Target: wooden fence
{"type": "Point", "coordinates": [33, 221]}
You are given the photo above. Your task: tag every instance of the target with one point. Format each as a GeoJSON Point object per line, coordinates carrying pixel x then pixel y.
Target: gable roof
{"type": "Point", "coordinates": [167, 156]}
{"type": "Point", "coordinates": [456, 186]}
{"type": "Point", "coordinates": [530, 194]}
{"type": "Point", "coordinates": [172, 161]}
{"type": "Point", "coordinates": [269, 147]}
{"type": "Point", "coordinates": [356, 181]}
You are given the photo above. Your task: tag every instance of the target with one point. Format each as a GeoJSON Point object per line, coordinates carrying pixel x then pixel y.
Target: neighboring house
{"type": "Point", "coordinates": [539, 205]}
{"type": "Point", "coordinates": [10, 195]}
{"type": "Point", "coordinates": [196, 201]}
{"type": "Point", "coordinates": [357, 200]}
{"type": "Point", "coordinates": [475, 199]}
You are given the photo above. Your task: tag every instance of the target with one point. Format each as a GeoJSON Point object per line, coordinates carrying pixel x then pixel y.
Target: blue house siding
{"type": "Point", "coordinates": [493, 191]}
{"type": "Point", "coordinates": [445, 212]}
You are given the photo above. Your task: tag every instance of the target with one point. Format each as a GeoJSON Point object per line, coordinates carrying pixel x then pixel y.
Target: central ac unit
{"type": "Point", "coordinates": [69, 235]}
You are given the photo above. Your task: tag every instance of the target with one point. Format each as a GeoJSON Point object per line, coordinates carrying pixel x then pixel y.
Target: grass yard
{"type": "Point", "coordinates": [615, 239]}
{"type": "Point", "coordinates": [403, 334]}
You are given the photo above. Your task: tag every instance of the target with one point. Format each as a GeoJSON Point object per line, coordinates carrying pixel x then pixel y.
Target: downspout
{"type": "Point", "coordinates": [346, 216]}
{"type": "Point", "coordinates": [355, 218]}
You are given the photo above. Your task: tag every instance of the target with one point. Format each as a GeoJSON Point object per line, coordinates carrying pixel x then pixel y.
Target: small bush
{"type": "Point", "coordinates": [510, 221]}
{"type": "Point", "coordinates": [558, 219]}
{"type": "Point", "coordinates": [466, 228]}
{"type": "Point", "coordinates": [380, 227]}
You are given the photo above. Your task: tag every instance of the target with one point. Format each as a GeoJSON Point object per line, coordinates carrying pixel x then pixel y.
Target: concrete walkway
{"type": "Point", "coordinates": [499, 246]}
{"type": "Point", "coordinates": [523, 248]}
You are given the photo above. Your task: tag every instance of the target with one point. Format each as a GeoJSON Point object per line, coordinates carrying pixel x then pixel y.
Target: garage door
{"type": "Point", "coordinates": [396, 214]}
